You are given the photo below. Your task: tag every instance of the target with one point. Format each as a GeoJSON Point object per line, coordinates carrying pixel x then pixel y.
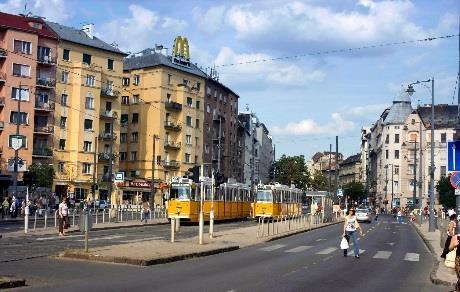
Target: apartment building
{"type": "Point", "coordinates": [86, 113]}
{"type": "Point", "coordinates": [264, 154]}
{"type": "Point", "coordinates": [164, 98]}
{"type": "Point", "coordinates": [28, 50]}
{"type": "Point", "coordinates": [350, 170]}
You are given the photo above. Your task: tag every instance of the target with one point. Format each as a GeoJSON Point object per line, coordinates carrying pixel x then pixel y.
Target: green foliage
{"type": "Point", "coordinates": [355, 190]}
{"type": "Point", "coordinates": [39, 175]}
{"type": "Point", "coordinates": [319, 182]}
{"type": "Point", "coordinates": [292, 169]}
{"type": "Point", "coordinates": [446, 192]}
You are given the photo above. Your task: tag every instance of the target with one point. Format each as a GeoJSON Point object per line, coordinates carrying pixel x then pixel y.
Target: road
{"type": "Point", "coordinates": [394, 258]}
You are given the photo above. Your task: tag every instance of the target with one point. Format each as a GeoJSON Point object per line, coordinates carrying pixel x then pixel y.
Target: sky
{"type": "Point", "coordinates": [305, 101]}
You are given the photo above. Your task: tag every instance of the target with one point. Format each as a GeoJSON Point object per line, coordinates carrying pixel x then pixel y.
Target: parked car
{"type": "Point", "coordinates": [363, 215]}
{"type": "Point", "coordinates": [102, 204]}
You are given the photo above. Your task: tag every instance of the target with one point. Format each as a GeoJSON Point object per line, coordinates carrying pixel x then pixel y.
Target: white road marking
{"type": "Point", "coordinates": [327, 250]}
{"type": "Point", "coordinates": [272, 247]}
{"type": "Point", "coordinates": [57, 237]}
{"type": "Point", "coordinates": [382, 254]}
{"type": "Point", "coordinates": [320, 239]}
{"type": "Point", "coordinates": [141, 239]}
{"type": "Point", "coordinates": [299, 248]}
{"type": "Point", "coordinates": [104, 238]}
{"type": "Point", "coordinates": [385, 222]}
{"type": "Point", "coordinates": [412, 257]}
{"type": "Point", "coordinates": [391, 243]}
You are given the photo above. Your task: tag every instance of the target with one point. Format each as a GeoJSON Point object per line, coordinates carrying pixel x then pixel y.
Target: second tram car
{"type": "Point", "coordinates": [277, 200]}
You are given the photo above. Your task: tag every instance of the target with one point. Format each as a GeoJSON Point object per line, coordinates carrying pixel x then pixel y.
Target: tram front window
{"type": "Point", "coordinates": [264, 196]}
{"type": "Point", "coordinates": [180, 193]}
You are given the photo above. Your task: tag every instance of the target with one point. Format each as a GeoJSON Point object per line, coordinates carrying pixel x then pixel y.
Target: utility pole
{"type": "Point", "coordinates": [392, 184]}
{"type": "Point", "coordinates": [16, 151]}
{"type": "Point", "coordinates": [386, 187]}
{"type": "Point", "coordinates": [431, 222]}
{"type": "Point", "coordinates": [219, 144]}
{"type": "Point", "coordinates": [336, 163]}
{"type": "Point", "coordinates": [330, 169]}
{"type": "Point", "coordinates": [94, 173]}
{"type": "Point", "coordinates": [420, 174]}
{"type": "Point", "coordinates": [201, 218]}
{"type": "Point", "coordinates": [457, 132]}
{"type": "Point", "coordinates": [152, 185]}
{"type": "Point", "coordinates": [109, 183]}
{"type": "Point", "coordinates": [274, 163]}
{"type": "Point", "coordinates": [414, 196]}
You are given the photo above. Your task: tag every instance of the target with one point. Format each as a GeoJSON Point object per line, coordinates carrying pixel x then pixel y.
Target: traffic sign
{"type": "Point", "coordinates": [17, 141]}
{"type": "Point", "coordinates": [453, 156]}
{"type": "Point", "coordinates": [339, 193]}
{"type": "Point", "coordinates": [119, 177]}
{"type": "Point", "coordinates": [455, 179]}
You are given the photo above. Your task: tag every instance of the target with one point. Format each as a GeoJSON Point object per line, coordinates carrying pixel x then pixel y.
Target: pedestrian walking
{"type": "Point", "coordinates": [145, 210]}
{"type": "Point", "coordinates": [5, 207]}
{"type": "Point", "coordinates": [63, 216]}
{"type": "Point", "coordinates": [350, 232]}
{"type": "Point", "coordinates": [399, 216]}
{"type": "Point", "coordinates": [455, 241]}
{"type": "Point", "coordinates": [450, 232]}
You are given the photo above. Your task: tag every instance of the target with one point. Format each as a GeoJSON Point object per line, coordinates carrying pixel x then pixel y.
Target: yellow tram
{"type": "Point", "coordinates": [231, 200]}
{"type": "Point", "coordinates": [277, 200]}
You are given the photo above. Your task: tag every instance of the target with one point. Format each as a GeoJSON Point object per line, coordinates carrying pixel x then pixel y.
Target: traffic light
{"type": "Point", "coordinates": [194, 174]}
{"type": "Point", "coordinates": [219, 178]}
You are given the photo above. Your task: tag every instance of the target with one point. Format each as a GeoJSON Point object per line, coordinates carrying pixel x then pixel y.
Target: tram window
{"type": "Point", "coordinates": [192, 194]}
{"type": "Point", "coordinates": [180, 193]}
{"type": "Point", "coordinates": [207, 192]}
{"type": "Point", "coordinates": [264, 196]}
{"type": "Point", "coordinates": [198, 193]}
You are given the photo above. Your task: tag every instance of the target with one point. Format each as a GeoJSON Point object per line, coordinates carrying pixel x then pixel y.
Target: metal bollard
{"type": "Point", "coordinates": [150, 214]}
{"type": "Point", "coordinates": [103, 216]}
{"type": "Point", "coordinates": [177, 224]}
{"type": "Point", "coordinates": [172, 229]}
{"type": "Point", "coordinates": [35, 220]}
{"type": "Point", "coordinates": [97, 213]}
{"type": "Point", "coordinates": [132, 214]}
{"type": "Point", "coordinates": [121, 215]}
{"type": "Point", "coordinates": [73, 219]}
{"type": "Point", "coordinates": [263, 219]}
{"type": "Point", "coordinates": [55, 218]}
{"type": "Point", "coordinates": [273, 225]}
{"type": "Point", "coordinates": [46, 219]}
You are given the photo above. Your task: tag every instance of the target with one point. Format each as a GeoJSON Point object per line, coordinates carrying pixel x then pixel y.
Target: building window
{"type": "Point", "coordinates": [60, 166]}
{"type": "Point", "coordinates": [189, 102]}
{"type": "Point", "coordinates": [86, 59]}
{"type": "Point", "coordinates": [188, 139]}
{"type": "Point", "coordinates": [188, 121]}
{"type": "Point", "coordinates": [196, 158]}
{"type": "Point", "coordinates": [168, 97]}
{"type": "Point", "coordinates": [61, 144]}
{"type": "Point", "coordinates": [123, 138]}
{"type": "Point", "coordinates": [208, 91]}
{"type": "Point", "coordinates": [125, 100]}
{"type": "Point", "coordinates": [133, 155]}
{"type": "Point", "coordinates": [66, 54]}
{"type": "Point", "coordinates": [65, 77]}
{"type": "Point", "coordinates": [396, 185]}
{"type": "Point", "coordinates": [134, 137]}
{"type": "Point", "coordinates": [136, 79]}
{"type": "Point", "coordinates": [386, 154]}
{"type": "Point", "coordinates": [443, 171]}
{"type": "Point", "coordinates": [396, 169]}
{"type": "Point", "coordinates": [88, 125]}
{"type": "Point", "coordinates": [443, 137]}
{"type": "Point", "coordinates": [89, 102]}
{"type": "Point", "coordinates": [124, 119]}
{"type": "Point", "coordinates": [110, 64]}
{"type": "Point", "coordinates": [135, 118]}
{"type": "Point", "coordinates": [87, 146]}
{"type": "Point", "coordinates": [125, 81]}
{"type": "Point", "coordinates": [64, 99]}
{"type": "Point", "coordinates": [387, 139]}
{"type": "Point", "coordinates": [24, 93]}
{"type": "Point", "coordinates": [23, 47]}
{"type": "Point", "coordinates": [86, 168]}
{"type": "Point", "coordinates": [198, 86]}
{"type": "Point", "coordinates": [197, 123]}
{"type": "Point", "coordinates": [396, 154]}
{"type": "Point", "coordinates": [123, 156]}
{"type": "Point", "coordinates": [133, 173]}
{"type": "Point", "coordinates": [158, 159]}
{"type": "Point", "coordinates": [136, 99]}
{"type": "Point", "coordinates": [90, 80]}
{"type": "Point", "coordinates": [23, 118]}
{"type": "Point", "coordinates": [63, 122]}
{"type": "Point", "coordinates": [208, 109]}
{"type": "Point", "coordinates": [185, 82]}
{"type": "Point", "coordinates": [21, 70]}
{"type": "Point", "coordinates": [197, 104]}
{"type": "Point", "coordinates": [169, 79]}
{"type": "Point", "coordinates": [396, 138]}
{"type": "Point", "coordinates": [187, 158]}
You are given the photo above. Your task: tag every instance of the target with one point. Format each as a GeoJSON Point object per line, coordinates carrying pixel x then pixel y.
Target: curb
{"type": "Point", "coordinates": [433, 277]}
{"type": "Point", "coordinates": [7, 282]}
{"type": "Point", "coordinates": [301, 231]}
{"type": "Point", "coordinates": [147, 262]}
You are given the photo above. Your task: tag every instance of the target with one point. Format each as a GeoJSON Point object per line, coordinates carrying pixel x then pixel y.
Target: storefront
{"type": "Point", "coordinates": [135, 192]}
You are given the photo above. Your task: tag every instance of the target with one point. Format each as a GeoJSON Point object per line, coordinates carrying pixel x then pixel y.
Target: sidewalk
{"type": "Point", "coordinates": [440, 273]}
{"type": "Point", "coordinates": [101, 226]}
{"type": "Point", "coordinates": [152, 252]}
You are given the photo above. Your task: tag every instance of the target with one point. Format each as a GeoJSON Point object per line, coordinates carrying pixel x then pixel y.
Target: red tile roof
{"type": "Point", "coordinates": [22, 23]}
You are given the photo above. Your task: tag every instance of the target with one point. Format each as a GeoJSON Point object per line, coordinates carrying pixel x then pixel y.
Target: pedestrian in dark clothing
{"type": "Point", "coordinates": [450, 233]}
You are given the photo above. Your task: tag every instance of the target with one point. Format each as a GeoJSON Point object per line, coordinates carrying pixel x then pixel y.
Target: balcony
{"type": "Point", "coordinates": [44, 106]}
{"type": "Point", "coordinates": [107, 135]}
{"type": "Point", "coordinates": [103, 156]}
{"type": "Point", "coordinates": [42, 152]}
{"type": "Point", "coordinates": [174, 106]}
{"type": "Point", "coordinates": [438, 144]}
{"type": "Point", "coordinates": [109, 92]}
{"type": "Point", "coordinates": [109, 114]}
{"type": "Point", "coordinates": [3, 50]}
{"type": "Point", "coordinates": [46, 83]}
{"type": "Point", "coordinates": [2, 78]}
{"type": "Point", "coordinates": [2, 125]}
{"type": "Point", "coordinates": [43, 130]}
{"type": "Point", "coordinates": [46, 60]}
{"type": "Point", "coordinates": [169, 125]}
{"type": "Point", "coordinates": [171, 164]}
{"type": "Point", "coordinates": [215, 139]}
{"type": "Point", "coordinates": [218, 118]}
{"type": "Point", "coordinates": [172, 145]}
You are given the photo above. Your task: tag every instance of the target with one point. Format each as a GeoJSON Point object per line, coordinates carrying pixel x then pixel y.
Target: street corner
{"type": "Point", "coordinates": [8, 282]}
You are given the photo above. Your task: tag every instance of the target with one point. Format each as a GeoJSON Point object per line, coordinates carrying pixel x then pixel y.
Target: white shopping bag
{"type": "Point", "coordinates": [344, 243]}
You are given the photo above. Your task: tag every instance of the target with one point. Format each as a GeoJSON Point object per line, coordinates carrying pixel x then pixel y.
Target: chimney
{"type": "Point", "coordinates": [88, 29]}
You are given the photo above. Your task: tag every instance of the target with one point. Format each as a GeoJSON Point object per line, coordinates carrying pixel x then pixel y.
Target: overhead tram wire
{"type": "Point", "coordinates": [344, 50]}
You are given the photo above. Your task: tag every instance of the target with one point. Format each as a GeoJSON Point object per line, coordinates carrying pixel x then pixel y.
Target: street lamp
{"type": "Point", "coordinates": [392, 182]}
{"type": "Point", "coordinates": [410, 90]}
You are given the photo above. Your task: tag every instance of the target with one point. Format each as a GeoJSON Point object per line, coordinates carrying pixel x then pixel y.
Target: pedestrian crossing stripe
{"type": "Point", "coordinates": [382, 254]}
{"type": "Point", "coordinates": [361, 251]}
{"type": "Point", "coordinates": [273, 247]}
{"type": "Point", "coordinates": [299, 248]}
{"type": "Point", "coordinates": [412, 257]}
{"type": "Point", "coordinates": [327, 250]}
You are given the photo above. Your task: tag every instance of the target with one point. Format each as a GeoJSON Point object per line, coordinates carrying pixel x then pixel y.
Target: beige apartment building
{"type": "Point", "coordinates": [86, 114]}
{"type": "Point", "coordinates": [162, 115]}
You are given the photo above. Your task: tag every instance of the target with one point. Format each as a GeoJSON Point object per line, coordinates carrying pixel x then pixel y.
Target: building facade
{"type": "Point", "coordinates": [263, 154]}
{"type": "Point", "coordinates": [86, 115]}
{"type": "Point", "coordinates": [350, 170]}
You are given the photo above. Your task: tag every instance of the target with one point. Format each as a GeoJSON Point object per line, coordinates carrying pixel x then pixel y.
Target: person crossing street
{"type": "Point", "coordinates": [350, 232]}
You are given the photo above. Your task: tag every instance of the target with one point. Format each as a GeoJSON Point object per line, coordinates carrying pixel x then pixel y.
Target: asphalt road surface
{"type": "Point", "coordinates": [393, 258]}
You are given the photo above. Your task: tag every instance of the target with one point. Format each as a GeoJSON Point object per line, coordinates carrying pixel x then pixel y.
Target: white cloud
{"type": "Point", "coordinates": [414, 60]}
{"type": "Point", "coordinates": [209, 21]}
{"type": "Point", "coordinates": [54, 10]}
{"type": "Point", "coordinates": [142, 29]}
{"type": "Point", "coordinates": [336, 125]}
{"type": "Point", "coordinates": [373, 110]}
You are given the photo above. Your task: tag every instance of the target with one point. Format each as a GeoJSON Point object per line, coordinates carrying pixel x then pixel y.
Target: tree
{"type": "Point", "coordinates": [355, 190]}
{"type": "Point", "coordinates": [292, 169]}
{"type": "Point", "coordinates": [319, 181]}
{"type": "Point", "coordinates": [39, 175]}
{"type": "Point", "coordinates": [446, 192]}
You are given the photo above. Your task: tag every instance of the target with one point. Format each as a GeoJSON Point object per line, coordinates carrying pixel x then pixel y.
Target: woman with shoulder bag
{"type": "Point", "coordinates": [450, 233]}
{"type": "Point", "coordinates": [350, 232]}
{"type": "Point", "coordinates": [63, 216]}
